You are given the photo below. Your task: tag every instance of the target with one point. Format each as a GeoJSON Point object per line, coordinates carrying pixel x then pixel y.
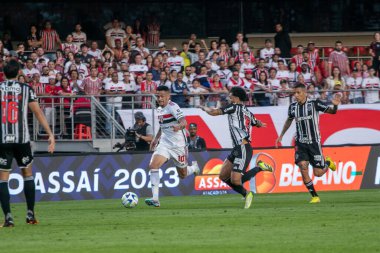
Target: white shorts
{"type": "Point", "coordinates": [179, 155]}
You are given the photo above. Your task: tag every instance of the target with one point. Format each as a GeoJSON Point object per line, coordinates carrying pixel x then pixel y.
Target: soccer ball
{"type": "Point", "coordinates": [129, 200]}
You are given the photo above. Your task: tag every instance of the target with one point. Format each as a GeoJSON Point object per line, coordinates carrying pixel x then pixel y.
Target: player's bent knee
{"type": "Point", "coordinates": [236, 181]}
{"type": "Point", "coordinates": [318, 172]}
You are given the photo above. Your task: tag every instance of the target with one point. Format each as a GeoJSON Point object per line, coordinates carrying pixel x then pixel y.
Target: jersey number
{"type": "Point", "coordinates": [181, 158]}
{"type": "Point", "coordinates": [12, 112]}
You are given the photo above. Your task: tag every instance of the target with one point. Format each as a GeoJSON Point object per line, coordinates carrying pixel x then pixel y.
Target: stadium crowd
{"type": "Point", "coordinates": [195, 72]}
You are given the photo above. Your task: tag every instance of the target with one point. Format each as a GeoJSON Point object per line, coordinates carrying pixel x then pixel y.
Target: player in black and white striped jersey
{"type": "Point", "coordinates": [240, 121]}
{"type": "Point", "coordinates": [15, 99]}
{"type": "Point", "coordinates": [308, 139]}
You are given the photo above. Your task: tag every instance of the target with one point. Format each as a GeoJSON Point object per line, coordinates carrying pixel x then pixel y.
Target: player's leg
{"type": "Point", "coordinates": [24, 157]}
{"type": "Point", "coordinates": [158, 159]}
{"type": "Point", "coordinates": [302, 160]}
{"type": "Point", "coordinates": [6, 157]}
{"type": "Point", "coordinates": [320, 165]}
{"type": "Point", "coordinates": [260, 166]}
{"type": "Point", "coordinates": [180, 157]}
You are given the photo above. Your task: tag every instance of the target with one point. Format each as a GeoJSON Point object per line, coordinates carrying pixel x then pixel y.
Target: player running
{"type": "Point", "coordinates": [240, 121]}
{"type": "Point", "coordinates": [15, 98]}
{"type": "Point", "coordinates": [308, 140]}
{"type": "Point", "coordinates": [172, 143]}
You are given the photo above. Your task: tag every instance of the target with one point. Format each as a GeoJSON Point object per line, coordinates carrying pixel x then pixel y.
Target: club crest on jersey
{"type": "Point", "coordinates": [161, 118]}
{"type": "Point", "coordinates": [309, 107]}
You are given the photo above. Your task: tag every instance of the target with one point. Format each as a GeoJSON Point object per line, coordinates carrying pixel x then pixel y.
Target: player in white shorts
{"type": "Point", "coordinates": [171, 141]}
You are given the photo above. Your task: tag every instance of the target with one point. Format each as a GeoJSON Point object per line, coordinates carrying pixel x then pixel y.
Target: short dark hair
{"type": "Point", "coordinates": [11, 69]}
{"type": "Point", "coordinates": [163, 88]}
{"type": "Point", "coordinates": [299, 85]}
{"type": "Point", "coordinates": [268, 40]}
{"type": "Point", "coordinates": [338, 42]}
{"type": "Point", "coordinates": [239, 92]}
{"type": "Point", "coordinates": [192, 125]}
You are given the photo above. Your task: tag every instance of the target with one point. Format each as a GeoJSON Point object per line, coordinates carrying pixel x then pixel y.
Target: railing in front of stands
{"type": "Point", "coordinates": [90, 118]}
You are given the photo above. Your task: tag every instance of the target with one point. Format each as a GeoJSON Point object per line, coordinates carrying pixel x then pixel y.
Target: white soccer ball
{"type": "Point", "coordinates": [129, 200]}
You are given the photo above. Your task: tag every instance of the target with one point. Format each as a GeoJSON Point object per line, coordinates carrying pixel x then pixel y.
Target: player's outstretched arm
{"type": "Point", "coordinates": [287, 124]}
{"type": "Point", "coordinates": [335, 101]}
{"type": "Point", "coordinates": [35, 108]}
{"type": "Point", "coordinates": [211, 111]}
{"type": "Point", "coordinates": [181, 124]}
{"type": "Point", "coordinates": [153, 144]}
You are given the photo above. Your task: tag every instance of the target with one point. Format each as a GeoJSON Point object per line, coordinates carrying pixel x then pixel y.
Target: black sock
{"type": "Point", "coordinates": [238, 188]}
{"type": "Point", "coordinates": [5, 197]}
{"type": "Point", "coordinates": [250, 174]}
{"type": "Point", "coordinates": [30, 192]}
{"type": "Point", "coordinates": [310, 187]}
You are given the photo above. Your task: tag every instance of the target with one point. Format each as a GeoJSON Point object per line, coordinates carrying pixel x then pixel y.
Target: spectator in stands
{"type": "Point", "coordinates": [138, 28]}
{"type": "Point", "coordinates": [312, 92]}
{"type": "Point", "coordinates": [153, 32]}
{"type": "Point", "coordinates": [261, 89]}
{"type": "Point", "coordinates": [365, 71]}
{"type": "Point", "coordinates": [148, 87]}
{"type": "Point", "coordinates": [20, 54]}
{"type": "Point", "coordinates": [353, 83]}
{"type": "Point", "coordinates": [195, 92]}
{"type": "Point", "coordinates": [196, 143]}
{"type": "Point", "coordinates": [203, 78]}
{"type": "Point", "coordinates": [164, 80]}
{"type": "Point", "coordinates": [224, 52]}
{"type": "Point", "coordinates": [65, 91]}
{"type": "Point", "coordinates": [282, 72]}
{"type": "Point", "coordinates": [235, 80]}
{"type": "Point", "coordinates": [81, 67]}
{"type": "Point", "coordinates": [282, 41]}
{"type": "Point", "coordinates": [374, 51]}
{"type": "Point", "coordinates": [260, 68]}
{"type": "Point", "coordinates": [298, 58]}
{"type": "Point", "coordinates": [313, 54]}
{"type": "Point", "coordinates": [339, 59]}
{"type": "Point", "coordinates": [51, 67]}
{"type": "Point", "coordinates": [94, 51]}
{"type": "Point", "coordinates": [85, 56]}
{"type": "Point", "coordinates": [130, 88]}
{"type": "Point", "coordinates": [21, 79]}
{"type": "Point", "coordinates": [47, 101]}
{"type": "Point", "coordinates": [29, 70]}
{"type": "Point", "coordinates": [140, 48]}
{"type": "Point", "coordinates": [69, 45]}
{"type": "Point", "coordinates": [193, 42]}
{"type": "Point", "coordinates": [307, 74]}
{"type": "Point", "coordinates": [115, 32]}
{"type": "Point", "coordinates": [175, 62]}
{"type": "Point", "coordinates": [292, 77]}
{"type": "Point", "coordinates": [44, 75]}
{"type": "Point", "coordinates": [37, 86]}
{"type": "Point", "coordinates": [144, 132]}
{"type": "Point", "coordinates": [209, 68]}
{"type": "Point", "coordinates": [188, 57]}
{"type": "Point", "coordinates": [335, 79]}
{"type": "Point", "coordinates": [201, 62]}
{"type": "Point", "coordinates": [50, 38]}
{"type": "Point", "coordinates": [79, 37]}
{"type": "Point", "coordinates": [75, 83]}
{"type": "Point", "coordinates": [188, 77]}
{"type": "Point", "coordinates": [213, 48]}
{"type": "Point", "coordinates": [247, 63]}
{"type": "Point", "coordinates": [137, 68]}
{"type": "Point", "coordinates": [245, 49]}
{"type": "Point", "coordinates": [33, 40]}
{"type": "Point", "coordinates": [114, 89]}
{"type": "Point", "coordinates": [267, 52]}
{"type": "Point", "coordinates": [284, 94]}
{"type": "Point", "coordinates": [236, 47]}
{"type": "Point", "coordinates": [216, 86]}
{"type": "Point", "coordinates": [41, 55]}
{"type": "Point", "coordinates": [130, 39]}
{"type": "Point", "coordinates": [179, 88]}
{"type": "Point", "coordinates": [372, 84]}
{"type": "Point", "coordinates": [274, 85]}
{"type": "Point", "coordinates": [92, 85]}
{"type": "Point", "coordinates": [223, 72]}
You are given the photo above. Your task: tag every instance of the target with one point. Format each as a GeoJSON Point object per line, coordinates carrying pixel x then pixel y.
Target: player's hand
{"type": "Point", "coordinates": [176, 128]}
{"type": "Point", "coordinates": [337, 98]}
{"type": "Point", "coordinates": [51, 146]}
{"type": "Point", "coordinates": [278, 140]}
{"type": "Point", "coordinates": [152, 145]}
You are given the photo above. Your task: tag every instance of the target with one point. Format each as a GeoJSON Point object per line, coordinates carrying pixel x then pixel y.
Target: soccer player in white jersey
{"type": "Point", "coordinates": [172, 143]}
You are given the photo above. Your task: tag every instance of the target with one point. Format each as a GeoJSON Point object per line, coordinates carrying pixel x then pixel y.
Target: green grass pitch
{"type": "Point", "coordinates": [342, 222]}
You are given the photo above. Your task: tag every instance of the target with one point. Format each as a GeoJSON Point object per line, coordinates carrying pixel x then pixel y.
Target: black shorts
{"type": "Point", "coordinates": [21, 152]}
{"type": "Point", "coordinates": [240, 157]}
{"type": "Point", "coordinates": [311, 153]}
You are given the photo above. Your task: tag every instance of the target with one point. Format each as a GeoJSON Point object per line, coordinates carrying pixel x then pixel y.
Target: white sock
{"type": "Point", "coordinates": [190, 170]}
{"type": "Point", "coordinates": [155, 180]}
